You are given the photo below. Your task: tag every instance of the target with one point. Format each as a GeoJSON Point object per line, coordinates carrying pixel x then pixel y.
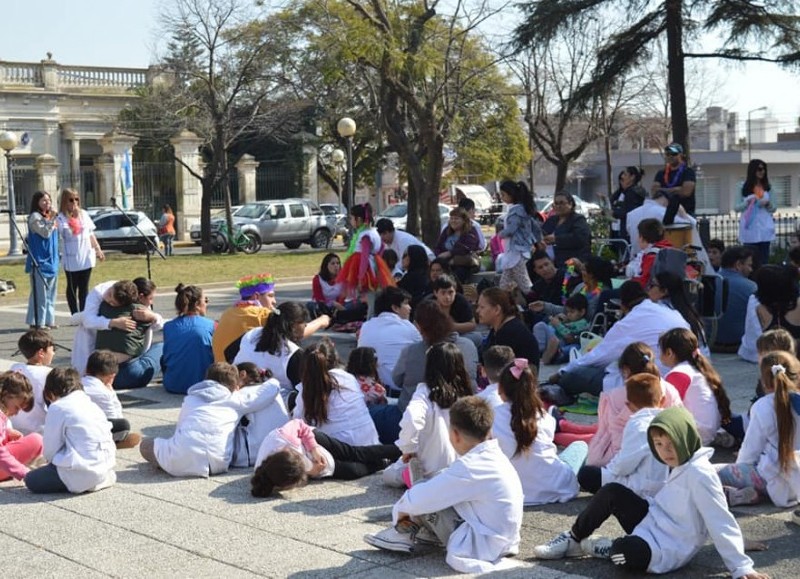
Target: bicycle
{"type": "Point", "coordinates": [246, 241]}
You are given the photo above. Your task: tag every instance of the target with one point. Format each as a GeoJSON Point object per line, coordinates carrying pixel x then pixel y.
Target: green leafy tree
{"type": "Point", "coordinates": [746, 30]}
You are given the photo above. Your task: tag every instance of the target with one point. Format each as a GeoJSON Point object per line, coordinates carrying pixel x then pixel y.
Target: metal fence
{"type": "Point", "coordinates": [726, 228]}
{"type": "Point", "coordinates": [26, 183]}
{"type": "Point", "coordinates": [276, 180]}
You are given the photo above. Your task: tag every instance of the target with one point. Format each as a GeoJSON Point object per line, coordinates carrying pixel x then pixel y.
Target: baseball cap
{"type": "Point", "coordinates": [675, 148]}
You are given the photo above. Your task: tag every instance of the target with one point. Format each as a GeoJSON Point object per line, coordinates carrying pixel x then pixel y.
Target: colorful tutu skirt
{"type": "Point", "coordinates": [376, 275]}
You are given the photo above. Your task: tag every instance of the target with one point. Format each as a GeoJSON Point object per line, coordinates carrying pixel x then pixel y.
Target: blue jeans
{"type": "Point", "coordinates": [583, 379]}
{"type": "Point", "coordinates": [167, 240]}
{"type": "Point", "coordinates": [138, 372]}
{"type": "Point", "coordinates": [44, 314]}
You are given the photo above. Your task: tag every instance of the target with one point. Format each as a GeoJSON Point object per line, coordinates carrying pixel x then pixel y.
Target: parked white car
{"type": "Point", "coordinates": [398, 214]}
{"type": "Point", "coordinates": [115, 229]}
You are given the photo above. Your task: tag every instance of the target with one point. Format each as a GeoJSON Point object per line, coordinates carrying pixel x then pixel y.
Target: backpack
{"type": "Point", "coordinates": [671, 260]}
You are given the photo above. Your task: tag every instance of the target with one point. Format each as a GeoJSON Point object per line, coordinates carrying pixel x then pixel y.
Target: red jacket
{"type": "Point", "coordinates": [648, 259]}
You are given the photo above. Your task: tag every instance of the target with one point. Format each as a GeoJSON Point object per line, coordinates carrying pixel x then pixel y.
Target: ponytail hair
{"type": "Point", "coordinates": [685, 347]}
{"type": "Point", "coordinates": [639, 358]}
{"type": "Point", "coordinates": [278, 328]}
{"type": "Point", "coordinates": [187, 298]}
{"type": "Point", "coordinates": [362, 212]}
{"type": "Point", "coordinates": [526, 406]}
{"type": "Point", "coordinates": [520, 194]}
{"type": "Point", "coordinates": [779, 371]}
{"type": "Point", "coordinates": [318, 383]}
{"type": "Point", "coordinates": [445, 374]}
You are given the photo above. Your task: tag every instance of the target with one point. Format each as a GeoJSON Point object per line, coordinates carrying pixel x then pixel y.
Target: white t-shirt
{"type": "Point", "coordinates": [388, 333]}
{"type": "Point", "coordinates": [33, 421]}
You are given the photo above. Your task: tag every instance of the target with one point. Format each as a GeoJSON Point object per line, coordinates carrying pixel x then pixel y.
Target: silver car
{"type": "Point", "coordinates": [115, 229]}
{"type": "Point", "coordinates": [398, 214]}
{"type": "Point", "coordinates": [218, 215]}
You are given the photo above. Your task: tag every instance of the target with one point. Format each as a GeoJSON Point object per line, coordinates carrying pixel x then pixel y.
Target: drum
{"type": "Point", "coordinates": [678, 234]}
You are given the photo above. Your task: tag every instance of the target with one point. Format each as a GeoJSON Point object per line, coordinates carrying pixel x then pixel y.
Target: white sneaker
{"type": "Point", "coordinates": [392, 540]}
{"type": "Point", "coordinates": [427, 537]}
{"type": "Point", "coordinates": [596, 546]}
{"type": "Point", "coordinates": [561, 546]}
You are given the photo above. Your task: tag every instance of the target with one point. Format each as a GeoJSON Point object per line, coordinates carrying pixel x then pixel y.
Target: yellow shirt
{"type": "Point", "coordinates": [233, 324]}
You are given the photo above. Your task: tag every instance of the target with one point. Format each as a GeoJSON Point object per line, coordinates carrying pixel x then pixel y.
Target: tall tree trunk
{"type": "Point", "coordinates": [412, 217]}
{"type": "Point", "coordinates": [561, 174]}
{"type": "Point", "coordinates": [205, 211]}
{"type": "Point", "coordinates": [675, 75]}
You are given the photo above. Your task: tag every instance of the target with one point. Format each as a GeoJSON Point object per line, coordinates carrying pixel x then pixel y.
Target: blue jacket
{"type": "Point", "coordinates": [521, 229]}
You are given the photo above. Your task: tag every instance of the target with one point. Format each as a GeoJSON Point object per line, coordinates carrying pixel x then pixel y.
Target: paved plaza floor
{"type": "Point", "coordinates": [152, 525]}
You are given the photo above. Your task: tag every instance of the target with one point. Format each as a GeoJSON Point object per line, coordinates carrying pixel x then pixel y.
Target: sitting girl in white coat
{"type": "Point", "coordinates": [524, 431]}
{"type": "Point", "coordinates": [295, 452]}
{"type": "Point", "coordinates": [767, 465]}
{"type": "Point", "coordinates": [331, 400]}
{"type": "Point", "coordinates": [696, 380]}
{"type": "Point", "coordinates": [424, 428]}
{"type": "Point", "coordinates": [77, 440]}
{"type": "Point", "coordinates": [203, 441]}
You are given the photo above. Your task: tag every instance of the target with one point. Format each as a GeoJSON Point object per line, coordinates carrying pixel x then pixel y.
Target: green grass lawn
{"type": "Point", "coordinates": [196, 269]}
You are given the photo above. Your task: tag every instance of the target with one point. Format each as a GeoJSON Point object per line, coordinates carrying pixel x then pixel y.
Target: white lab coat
{"type": "Point", "coordinates": [484, 489]}
{"type": "Point", "coordinates": [261, 423]}
{"type": "Point", "coordinates": [644, 323]}
{"type": "Point", "coordinates": [401, 242]}
{"type": "Point", "coordinates": [33, 421]}
{"type": "Point", "coordinates": [760, 448]}
{"type": "Point", "coordinates": [348, 417]}
{"type": "Point", "coordinates": [89, 321]}
{"type": "Point", "coordinates": [105, 398]}
{"type": "Point", "coordinates": [690, 507]}
{"type": "Point", "coordinates": [203, 441]}
{"type": "Point", "coordinates": [77, 440]}
{"type": "Point", "coordinates": [425, 430]}
{"type": "Point", "coordinates": [545, 478]}
{"type": "Point", "coordinates": [275, 363]}
{"type": "Point", "coordinates": [388, 333]}
{"type": "Point", "coordinates": [635, 466]}
{"type": "Point", "coordinates": [699, 399]}
{"type": "Point", "coordinates": [491, 395]}
{"type": "Point", "coordinates": [752, 330]}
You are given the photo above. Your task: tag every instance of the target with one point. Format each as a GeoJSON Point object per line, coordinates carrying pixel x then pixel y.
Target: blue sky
{"type": "Point", "coordinates": [125, 34]}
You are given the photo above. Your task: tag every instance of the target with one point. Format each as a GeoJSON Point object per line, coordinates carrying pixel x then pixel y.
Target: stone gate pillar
{"type": "Point", "coordinates": [188, 189]}
{"type": "Point", "coordinates": [247, 178]}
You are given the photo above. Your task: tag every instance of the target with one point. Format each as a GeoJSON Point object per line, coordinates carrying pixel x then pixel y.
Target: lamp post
{"type": "Point", "coordinates": [347, 128]}
{"type": "Point", "coordinates": [749, 139]}
{"type": "Point", "coordinates": [8, 142]}
{"type": "Point", "coordinates": [337, 157]}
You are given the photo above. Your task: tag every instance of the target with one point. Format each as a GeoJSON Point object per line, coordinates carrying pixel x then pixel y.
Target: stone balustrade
{"type": "Point", "coordinates": [50, 75]}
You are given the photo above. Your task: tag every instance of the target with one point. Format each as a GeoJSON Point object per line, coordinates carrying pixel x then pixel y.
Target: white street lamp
{"type": "Point", "coordinates": [347, 128]}
{"type": "Point", "coordinates": [9, 142]}
{"type": "Point", "coordinates": [337, 157]}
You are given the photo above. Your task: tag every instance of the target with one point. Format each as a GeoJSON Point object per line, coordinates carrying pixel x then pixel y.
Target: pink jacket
{"type": "Point", "coordinates": [8, 462]}
{"type": "Point", "coordinates": [612, 416]}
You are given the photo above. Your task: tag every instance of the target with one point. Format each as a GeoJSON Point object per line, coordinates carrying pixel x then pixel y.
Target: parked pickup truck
{"type": "Point", "coordinates": [288, 221]}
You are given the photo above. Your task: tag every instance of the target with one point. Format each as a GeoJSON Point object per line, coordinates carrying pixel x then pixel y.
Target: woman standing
{"type": "Point", "coordinates": [457, 243]}
{"type": "Point", "coordinates": [166, 228]}
{"type": "Point", "coordinates": [756, 226]}
{"type": "Point", "coordinates": [80, 248]}
{"type": "Point", "coordinates": [42, 247]}
{"type": "Point", "coordinates": [187, 341]}
{"type": "Point", "coordinates": [567, 232]}
{"type": "Point", "coordinates": [497, 310]}
{"type": "Point", "coordinates": [521, 231]}
{"type": "Point", "coordinates": [625, 199]}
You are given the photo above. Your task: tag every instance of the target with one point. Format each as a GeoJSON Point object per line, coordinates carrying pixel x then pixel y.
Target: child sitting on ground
{"type": "Point", "coordinates": [473, 507]}
{"type": "Point", "coordinates": [16, 451]}
{"type": "Point", "coordinates": [651, 241]}
{"type": "Point", "coordinates": [252, 375]}
{"type": "Point", "coordinates": [524, 431]}
{"type": "Point", "coordinates": [663, 534]}
{"type": "Point", "coordinates": [294, 452]}
{"type": "Point", "coordinates": [424, 439]}
{"type": "Point", "coordinates": [38, 348]}
{"type": "Point", "coordinates": [101, 369]}
{"type": "Point", "coordinates": [363, 364]}
{"type": "Point", "coordinates": [613, 412]}
{"type": "Point", "coordinates": [77, 440]}
{"type": "Point", "coordinates": [696, 380]}
{"type": "Point", "coordinates": [766, 466]}
{"type": "Point", "coordinates": [564, 330]}
{"type": "Point", "coordinates": [495, 358]}
{"type": "Point", "coordinates": [634, 466]}
{"type": "Point", "coordinates": [202, 444]}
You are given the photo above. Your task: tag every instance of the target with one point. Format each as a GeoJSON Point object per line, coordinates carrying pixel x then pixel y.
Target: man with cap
{"type": "Point", "coordinates": [677, 181]}
{"type": "Point", "coordinates": [257, 293]}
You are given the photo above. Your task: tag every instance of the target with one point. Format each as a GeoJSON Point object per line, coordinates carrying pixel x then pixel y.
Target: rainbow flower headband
{"type": "Point", "coordinates": [250, 285]}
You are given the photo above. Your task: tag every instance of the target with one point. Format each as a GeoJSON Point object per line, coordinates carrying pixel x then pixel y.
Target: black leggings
{"type": "Point", "coordinates": [120, 428]}
{"type": "Point", "coordinates": [352, 462]}
{"type": "Point", "coordinates": [632, 553]}
{"type": "Point", "coordinates": [77, 289]}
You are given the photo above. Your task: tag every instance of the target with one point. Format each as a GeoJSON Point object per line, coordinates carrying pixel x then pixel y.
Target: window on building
{"type": "Point", "coordinates": [707, 195]}
{"type": "Point", "coordinates": [781, 194]}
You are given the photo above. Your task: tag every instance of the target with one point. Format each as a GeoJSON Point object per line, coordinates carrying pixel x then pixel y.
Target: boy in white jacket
{"type": "Point", "coordinates": [666, 532]}
{"type": "Point", "coordinates": [77, 440]}
{"type": "Point", "coordinates": [634, 466]}
{"type": "Point", "coordinates": [474, 506]}
{"type": "Point", "coordinates": [203, 441]}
